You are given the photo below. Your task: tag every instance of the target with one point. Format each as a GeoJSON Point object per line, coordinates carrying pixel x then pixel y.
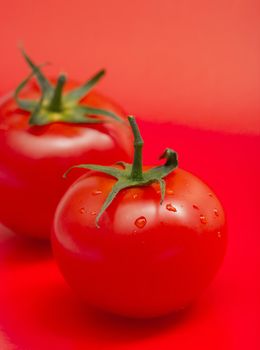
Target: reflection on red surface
{"type": "Point", "coordinates": [38, 310]}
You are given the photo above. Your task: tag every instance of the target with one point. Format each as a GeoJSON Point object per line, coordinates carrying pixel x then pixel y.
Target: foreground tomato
{"type": "Point", "coordinates": [39, 140]}
{"type": "Point", "coordinates": [140, 242]}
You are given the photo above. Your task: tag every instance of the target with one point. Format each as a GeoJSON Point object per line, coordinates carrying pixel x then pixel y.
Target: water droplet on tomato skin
{"type": "Point", "coordinates": [82, 211]}
{"type": "Point", "coordinates": [170, 207]}
{"type": "Point", "coordinates": [219, 234]}
{"type": "Point", "coordinates": [97, 192]}
{"type": "Point", "coordinates": [169, 191]}
{"type": "Point", "coordinates": [140, 222]}
{"type": "Point", "coordinates": [203, 220]}
{"type": "Point", "coordinates": [195, 207]}
{"type": "Point", "coordinates": [216, 212]}
{"type": "Point", "coordinates": [210, 194]}
{"type": "Point", "coordinates": [93, 212]}
{"type": "Point", "coordinates": [135, 196]}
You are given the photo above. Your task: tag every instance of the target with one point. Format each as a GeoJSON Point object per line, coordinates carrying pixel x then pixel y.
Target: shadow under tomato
{"type": "Point", "coordinates": [73, 319]}
{"type": "Point", "coordinates": [15, 249]}
{"type": "Point", "coordinates": [44, 311]}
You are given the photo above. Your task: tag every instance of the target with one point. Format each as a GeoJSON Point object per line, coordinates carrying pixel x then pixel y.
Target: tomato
{"type": "Point", "coordinates": [142, 257]}
{"type": "Point", "coordinates": [35, 154]}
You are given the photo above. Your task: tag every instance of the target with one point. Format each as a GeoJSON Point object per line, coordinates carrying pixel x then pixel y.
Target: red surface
{"type": "Point", "coordinates": [39, 311]}
{"type": "Point", "coordinates": [192, 62]}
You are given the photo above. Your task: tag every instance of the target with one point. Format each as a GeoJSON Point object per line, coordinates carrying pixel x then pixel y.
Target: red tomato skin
{"type": "Point", "coordinates": [34, 158]}
{"type": "Point", "coordinates": [146, 259]}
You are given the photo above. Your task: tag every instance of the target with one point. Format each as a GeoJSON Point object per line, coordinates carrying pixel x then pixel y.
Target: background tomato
{"type": "Point", "coordinates": [146, 259]}
{"type": "Point", "coordinates": [34, 158]}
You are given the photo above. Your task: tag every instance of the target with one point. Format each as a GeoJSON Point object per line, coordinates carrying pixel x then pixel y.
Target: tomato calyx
{"type": "Point", "coordinates": [132, 175]}
{"type": "Point", "coordinates": [56, 106]}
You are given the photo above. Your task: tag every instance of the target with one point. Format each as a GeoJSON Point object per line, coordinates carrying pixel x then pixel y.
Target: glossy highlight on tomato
{"type": "Point", "coordinates": [144, 258]}
{"type": "Point", "coordinates": [33, 158]}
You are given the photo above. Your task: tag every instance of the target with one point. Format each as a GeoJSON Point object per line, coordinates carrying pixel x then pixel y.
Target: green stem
{"type": "Point", "coordinates": [137, 168]}
{"type": "Point", "coordinates": [56, 101]}
{"type": "Point", "coordinates": [132, 175]}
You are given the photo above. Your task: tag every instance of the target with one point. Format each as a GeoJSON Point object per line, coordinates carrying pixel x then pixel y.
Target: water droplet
{"type": "Point", "coordinates": [203, 220]}
{"type": "Point", "coordinates": [219, 234]}
{"type": "Point", "coordinates": [158, 191]}
{"type": "Point", "coordinates": [140, 222]}
{"type": "Point", "coordinates": [82, 210]}
{"type": "Point", "coordinates": [97, 192]}
{"type": "Point", "coordinates": [170, 207]}
{"type": "Point", "coordinates": [210, 194]}
{"type": "Point", "coordinates": [216, 212]}
{"type": "Point", "coordinates": [135, 196]}
{"type": "Point", "coordinates": [169, 191]}
{"type": "Point", "coordinates": [195, 206]}
{"type": "Point", "coordinates": [93, 212]}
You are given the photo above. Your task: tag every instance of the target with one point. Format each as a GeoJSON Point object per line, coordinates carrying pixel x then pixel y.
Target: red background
{"type": "Point", "coordinates": [194, 66]}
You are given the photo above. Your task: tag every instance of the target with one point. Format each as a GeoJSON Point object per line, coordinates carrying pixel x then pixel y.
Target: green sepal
{"type": "Point", "coordinates": [77, 94]}
{"type": "Point", "coordinates": [44, 83]}
{"type": "Point", "coordinates": [98, 111]}
{"type": "Point", "coordinates": [36, 118]}
{"type": "Point", "coordinates": [25, 104]}
{"type": "Point", "coordinates": [125, 179]}
{"type": "Point", "coordinates": [109, 170]}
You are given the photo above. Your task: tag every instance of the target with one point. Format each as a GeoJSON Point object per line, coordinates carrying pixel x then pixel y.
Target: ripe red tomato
{"type": "Point", "coordinates": [144, 259]}
{"type": "Point", "coordinates": [34, 157]}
